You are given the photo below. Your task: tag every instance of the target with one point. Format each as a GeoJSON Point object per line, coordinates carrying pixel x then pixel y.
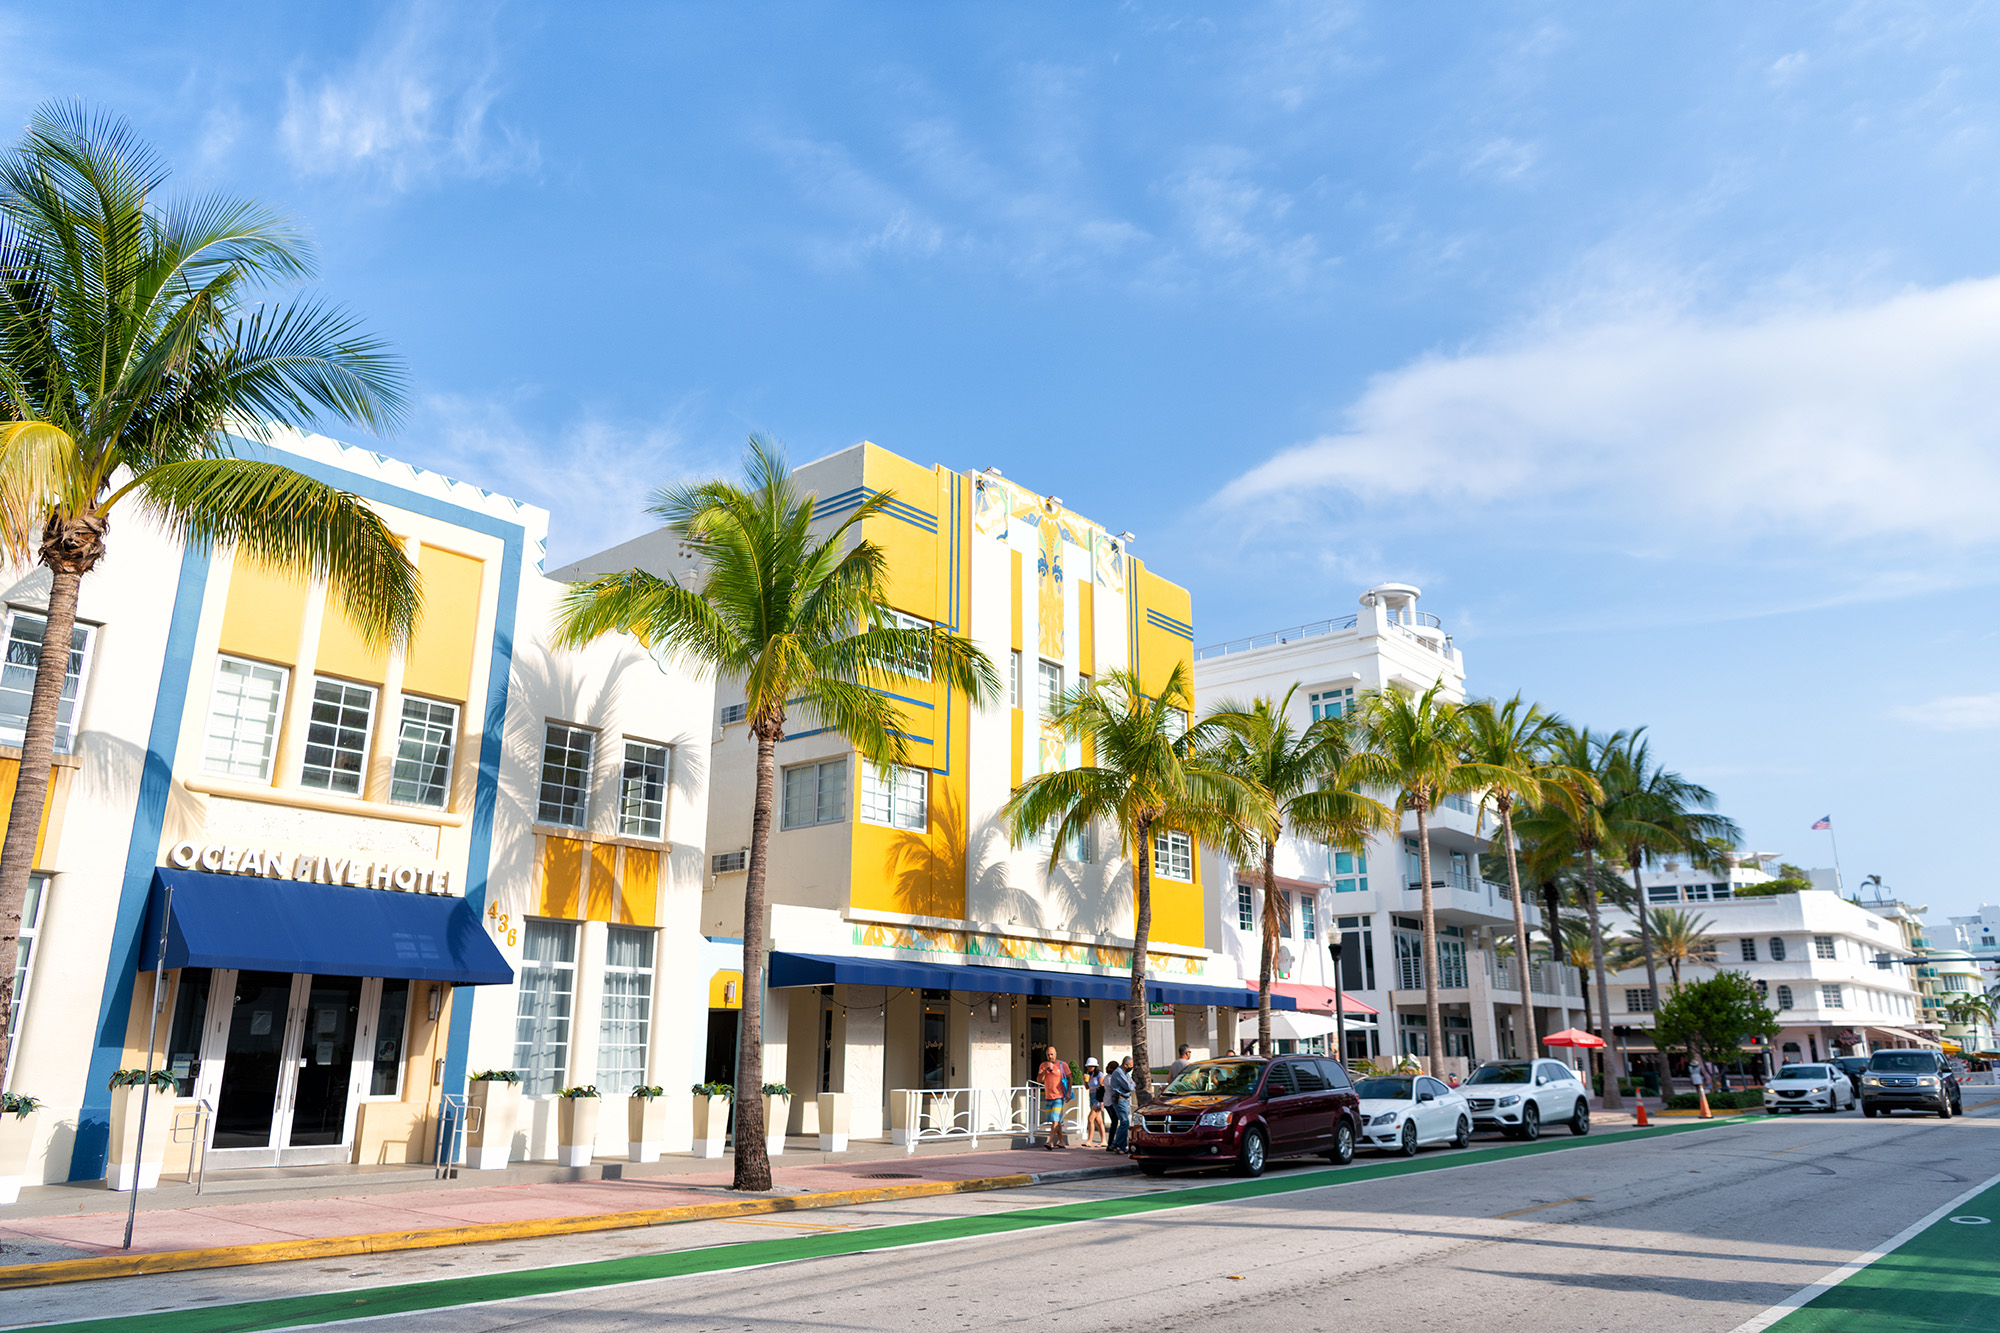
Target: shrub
{"type": "Point", "coordinates": [161, 1080]}
{"type": "Point", "coordinates": [648, 1091]}
{"type": "Point", "coordinates": [776, 1090]}
{"type": "Point", "coordinates": [19, 1104]}
{"type": "Point", "coordinates": [1717, 1101]}
{"type": "Point", "coordinates": [497, 1076]}
{"type": "Point", "coordinates": [583, 1090]}
{"type": "Point", "coordinates": [714, 1090]}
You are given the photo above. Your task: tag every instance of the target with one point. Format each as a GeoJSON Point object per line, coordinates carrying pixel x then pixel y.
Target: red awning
{"type": "Point", "coordinates": [1318, 999]}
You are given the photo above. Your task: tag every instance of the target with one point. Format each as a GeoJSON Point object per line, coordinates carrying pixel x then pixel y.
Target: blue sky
{"type": "Point", "coordinates": [1659, 345]}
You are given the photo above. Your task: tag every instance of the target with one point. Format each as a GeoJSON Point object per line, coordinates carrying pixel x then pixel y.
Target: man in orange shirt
{"type": "Point", "coordinates": [1054, 1078]}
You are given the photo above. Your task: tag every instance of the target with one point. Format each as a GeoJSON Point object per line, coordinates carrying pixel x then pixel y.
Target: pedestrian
{"type": "Point", "coordinates": [1118, 1087]}
{"type": "Point", "coordinates": [1094, 1132]}
{"type": "Point", "coordinates": [1181, 1062]}
{"type": "Point", "coordinates": [1054, 1078]}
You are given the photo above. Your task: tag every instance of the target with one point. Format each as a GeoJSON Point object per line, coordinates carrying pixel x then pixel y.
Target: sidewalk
{"type": "Point", "coordinates": [54, 1223]}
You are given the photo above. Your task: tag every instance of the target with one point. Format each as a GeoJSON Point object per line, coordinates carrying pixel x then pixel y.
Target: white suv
{"type": "Point", "coordinates": [1518, 1097]}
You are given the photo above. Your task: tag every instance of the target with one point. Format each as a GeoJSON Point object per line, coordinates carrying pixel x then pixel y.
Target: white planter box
{"type": "Point", "coordinates": [646, 1127]}
{"type": "Point", "coordinates": [126, 1171]}
{"type": "Point", "coordinates": [777, 1111]}
{"type": "Point", "coordinates": [576, 1123]}
{"type": "Point", "coordinates": [498, 1109]}
{"type": "Point", "coordinates": [17, 1136]}
{"type": "Point", "coordinates": [711, 1125]}
{"type": "Point", "coordinates": [833, 1122]}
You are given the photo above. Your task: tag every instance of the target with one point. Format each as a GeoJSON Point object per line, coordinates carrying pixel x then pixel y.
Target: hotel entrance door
{"type": "Point", "coordinates": [278, 1065]}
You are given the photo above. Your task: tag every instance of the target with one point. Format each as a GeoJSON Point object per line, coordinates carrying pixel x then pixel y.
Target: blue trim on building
{"type": "Point", "coordinates": [1159, 620]}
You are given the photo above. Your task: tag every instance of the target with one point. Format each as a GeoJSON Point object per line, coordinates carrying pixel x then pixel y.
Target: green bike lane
{"type": "Point", "coordinates": [528, 1283]}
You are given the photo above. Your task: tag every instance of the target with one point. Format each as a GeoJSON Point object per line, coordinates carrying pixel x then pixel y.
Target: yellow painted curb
{"type": "Point", "coordinates": [385, 1242]}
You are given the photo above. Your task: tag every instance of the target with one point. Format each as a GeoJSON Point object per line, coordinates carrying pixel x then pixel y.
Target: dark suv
{"type": "Point", "coordinates": [1854, 1066]}
{"type": "Point", "coordinates": [1910, 1081]}
{"type": "Point", "coordinates": [1245, 1111]}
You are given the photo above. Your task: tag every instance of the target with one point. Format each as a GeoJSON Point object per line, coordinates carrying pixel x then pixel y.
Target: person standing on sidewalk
{"type": "Point", "coordinates": [1054, 1078]}
{"type": "Point", "coordinates": [1118, 1087]}
{"type": "Point", "coordinates": [1094, 1135]}
{"type": "Point", "coordinates": [1180, 1062]}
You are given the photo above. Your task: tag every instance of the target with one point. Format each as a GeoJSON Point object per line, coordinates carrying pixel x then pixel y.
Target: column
{"type": "Point", "coordinates": [862, 1069]}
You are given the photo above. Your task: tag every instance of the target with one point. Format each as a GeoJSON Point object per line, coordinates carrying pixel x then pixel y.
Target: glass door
{"type": "Point", "coordinates": [278, 1063]}
{"type": "Point", "coordinates": [323, 1074]}
{"type": "Point", "coordinates": [253, 1066]}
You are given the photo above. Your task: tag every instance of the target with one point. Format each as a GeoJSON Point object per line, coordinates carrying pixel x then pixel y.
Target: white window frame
{"type": "Point", "coordinates": [277, 725]}
{"type": "Point", "coordinates": [729, 863]}
{"type": "Point", "coordinates": [1048, 686]}
{"type": "Point", "coordinates": [561, 1046]}
{"type": "Point", "coordinates": [1824, 947]}
{"type": "Point", "coordinates": [1831, 996]}
{"type": "Point", "coordinates": [368, 1093]}
{"type": "Point", "coordinates": [1173, 855]}
{"type": "Point", "coordinates": [1308, 916]}
{"type": "Point", "coordinates": [1785, 999]}
{"type": "Point", "coordinates": [448, 752]}
{"type": "Point", "coordinates": [1246, 906]}
{"type": "Point", "coordinates": [894, 619]}
{"type": "Point", "coordinates": [1638, 1000]}
{"type": "Point", "coordinates": [636, 823]}
{"type": "Point", "coordinates": [1014, 677]}
{"type": "Point", "coordinates": [734, 713]}
{"type": "Point", "coordinates": [901, 802]}
{"type": "Point", "coordinates": [1331, 702]}
{"type": "Point", "coordinates": [33, 910]}
{"type": "Point", "coordinates": [306, 767]}
{"type": "Point", "coordinates": [1747, 944]}
{"type": "Point", "coordinates": [65, 726]}
{"type": "Point", "coordinates": [786, 819]}
{"type": "Point", "coordinates": [645, 1018]}
{"type": "Point", "coordinates": [570, 729]}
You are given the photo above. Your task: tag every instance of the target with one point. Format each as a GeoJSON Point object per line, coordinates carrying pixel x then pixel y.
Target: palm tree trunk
{"type": "Point", "coordinates": [753, 1160]}
{"type": "Point", "coordinates": [31, 781]}
{"type": "Point", "coordinates": [1434, 1040]}
{"type": "Point", "coordinates": [1614, 1063]}
{"type": "Point", "coordinates": [1652, 979]}
{"type": "Point", "coordinates": [1142, 932]}
{"type": "Point", "coordinates": [1270, 950]}
{"type": "Point", "coordinates": [1528, 1033]}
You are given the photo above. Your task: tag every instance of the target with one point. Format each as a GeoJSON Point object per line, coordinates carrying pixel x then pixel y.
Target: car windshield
{"type": "Point", "coordinates": [1904, 1062]}
{"type": "Point", "coordinates": [1232, 1078]}
{"type": "Point", "coordinates": [1503, 1074]}
{"type": "Point", "coordinates": [1385, 1089]}
{"type": "Point", "coordinates": [1803, 1071]}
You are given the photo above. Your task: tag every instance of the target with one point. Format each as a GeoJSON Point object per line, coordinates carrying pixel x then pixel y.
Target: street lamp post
{"type": "Point", "coordinates": [1339, 1006]}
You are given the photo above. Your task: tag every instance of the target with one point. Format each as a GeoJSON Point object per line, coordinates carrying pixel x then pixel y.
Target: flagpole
{"type": "Point", "coordinates": [1838, 876]}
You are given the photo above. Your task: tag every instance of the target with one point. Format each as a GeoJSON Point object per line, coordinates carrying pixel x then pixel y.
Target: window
{"type": "Point", "coordinates": [1663, 893]}
{"type": "Point", "coordinates": [337, 737]}
{"type": "Point", "coordinates": [1332, 703]}
{"type": "Point", "coordinates": [725, 863]}
{"type": "Point", "coordinates": [1308, 927]}
{"type": "Point", "coordinates": [1823, 946]}
{"type": "Point", "coordinates": [1246, 908]}
{"type": "Point", "coordinates": [541, 1019]}
{"type": "Point", "coordinates": [566, 755]}
{"type": "Point", "coordinates": [1722, 892]}
{"type": "Point", "coordinates": [1777, 950]}
{"type": "Point", "coordinates": [24, 956]}
{"type": "Point", "coordinates": [1639, 1000]}
{"type": "Point", "coordinates": [1697, 893]}
{"type": "Point", "coordinates": [1461, 871]}
{"type": "Point", "coordinates": [917, 665]}
{"type": "Point", "coordinates": [628, 1008]}
{"type": "Point", "coordinates": [1357, 953]}
{"type": "Point", "coordinates": [1283, 901]}
{"type": "Point", "coordinates": [1048, 686]}
{"type": "Point", "coordinates": [642, 791]}
{"type": "Point", "coordinates": [1350, 870]}
{"type": "Point", "coordinates": [1451, 963]}
{"type": "Point", "coordinates": [1014, 678]}
{"type": "Point", "coordinates": [1173, 855]}
{"type": "Point", "coordinates": [1409, 961]}
{"type": "Point", "coordinates": [1784, 997]}
{"type": "Point", "coordinates": [1829, 997]}
{"type": "Point", "coordinates": [243, 719]}
{"type": "Point", "coordinates": [815, 794]}
{"type": "Point", "coordinates": [392, 1020]}
{"type": "Point", "coordinates": [734, 713]}
{"type": "Point", "coordinates": [1749, 948]}
{"type": "Point", "coordinates": [1763, 989]}
{"type": "Point", "coordinates": [17, 677]}
{"type": "Point", "coordinates": [899, 798]}
{"type": "Point", "coordinates": [1412, 864]}
{"type": "Point", "coordinates": [424, 742]}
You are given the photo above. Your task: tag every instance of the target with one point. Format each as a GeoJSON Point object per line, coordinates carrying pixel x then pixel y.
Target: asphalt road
{"type": "Point", "coordinates": [1697, 1230]}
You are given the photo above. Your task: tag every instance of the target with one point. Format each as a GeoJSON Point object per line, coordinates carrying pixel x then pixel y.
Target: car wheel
{"type": "Point", "coordinates": [1153, 1169]}
{"type": "Point", "coordinates": [1250, 1157]}
{"type": "Point", "coordinates": [1342, 1151]}
{"type": "Point", "coordinates": [1579, 1119]}
{"type": "Point", "coordinates": [1531, 1123]}
{"type": "Point", "coordinates": [1464, 1137]}
{"type": "Point", "coordinates": [1408, 1144]}
{"type": "Point", "coordinates": [1870, 1111]}
{"type": "Point", "coordinates": [1944, 1109]}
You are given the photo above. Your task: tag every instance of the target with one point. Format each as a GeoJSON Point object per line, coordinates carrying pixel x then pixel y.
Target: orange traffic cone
{"type": "Point", "coordinates": [1643, 1122]}
{"type": "Point", "coordinates": [1706, 1114]}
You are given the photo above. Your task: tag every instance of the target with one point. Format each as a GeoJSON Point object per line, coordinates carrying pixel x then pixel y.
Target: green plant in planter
{"type": "Point", "coordinates": [161, 1080]}
{"type": "Point", "coordinates": [776, 1090]}
{"type": "Point", "coordinates": [584, 1090]}
{"type": "Point", "coordinates": [19, 1103]}
{"type": "Point", "coordinates": [648, 1092]}
{"type": "Point", "coordinates": [714, 1090]}
{"type": "Point", "coordinates": [496, 1076]}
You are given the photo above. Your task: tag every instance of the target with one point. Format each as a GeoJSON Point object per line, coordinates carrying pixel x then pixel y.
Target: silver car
{"type": "Point", "coordinates": [1809, 1088]}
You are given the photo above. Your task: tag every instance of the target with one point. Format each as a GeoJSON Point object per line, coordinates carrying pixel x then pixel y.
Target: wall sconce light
{"type": "Point", "coordinates": [437, 1002]}
{"type": "Point", "coordinates": [1121, 1015]}
{"type": "Point", "coordinates": [729, 992]}
{"type": "Point", "coordinates": [992, 1010]}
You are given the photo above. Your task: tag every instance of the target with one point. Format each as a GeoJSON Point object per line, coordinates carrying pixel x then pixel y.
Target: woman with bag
{"type": "Point", "coordinates": [1093, 1079]}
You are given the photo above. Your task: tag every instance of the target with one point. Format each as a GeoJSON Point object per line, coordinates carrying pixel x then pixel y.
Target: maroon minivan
{"type": "Point", "coordinates": [1243, 1111]}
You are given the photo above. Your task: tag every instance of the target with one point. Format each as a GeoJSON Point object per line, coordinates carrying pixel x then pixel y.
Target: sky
{"type": "Point", "coordinates": [1659, 345]}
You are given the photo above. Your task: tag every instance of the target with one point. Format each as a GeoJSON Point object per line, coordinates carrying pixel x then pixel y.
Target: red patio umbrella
{"type": "Point", "coordinates": [1573, 1037]}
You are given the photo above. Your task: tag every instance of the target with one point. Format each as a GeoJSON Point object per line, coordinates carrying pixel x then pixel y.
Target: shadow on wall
{"type": "Point", "coordinates": [1086, 899]}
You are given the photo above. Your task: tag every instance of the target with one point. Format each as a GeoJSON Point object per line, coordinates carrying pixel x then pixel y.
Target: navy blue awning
{"type": "Point", "coordinates": [282, 925]}
{"type": "Point", "coordinates": [813, 969]}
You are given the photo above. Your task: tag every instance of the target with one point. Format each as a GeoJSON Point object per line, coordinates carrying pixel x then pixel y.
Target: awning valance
{"type": "Point", "coordinates": [282, 925]}
{"type": "Point", "coordinates": [811, 969]}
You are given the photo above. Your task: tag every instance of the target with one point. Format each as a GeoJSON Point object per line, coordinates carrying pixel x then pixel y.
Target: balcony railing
{"type": "Point", "coordinates": [1316, 629]}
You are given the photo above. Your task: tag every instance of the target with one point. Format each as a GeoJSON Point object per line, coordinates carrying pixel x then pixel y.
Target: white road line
{"type": "Point", "coordinates": [1758, 1323]}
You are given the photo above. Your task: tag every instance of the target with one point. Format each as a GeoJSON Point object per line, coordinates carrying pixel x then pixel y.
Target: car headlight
{"type": "Point", "coordinates": [1927, 1082]}
{"type": "Point", "coordinates": [1213, 1119]}
{"type": "Point", "coordinates": [1508, 1101]}
{"type": "Point", "coordinates": [1869, 1080]}
{"type": "Point", "coordinates": [1386, 1118]}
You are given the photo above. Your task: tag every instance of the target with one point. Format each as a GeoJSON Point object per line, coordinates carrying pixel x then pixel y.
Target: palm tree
{"type": "Point", "coordinates": [1681, 939]}
{"type": "Point", "coordinates": [1416, 748]}
{"type": "Point", "coordinates": [1512, 739]}
{"type": "Point", "coordinates": [797, 615]}
{"type": "Point", "coordinates": [1151, 772]}
{"type": "Point", "coordinates": [132, 346]}
{"type": "Point", "coordinates": [1301, 781]}
{"type": "Point", "coordinates": [1649, 811]}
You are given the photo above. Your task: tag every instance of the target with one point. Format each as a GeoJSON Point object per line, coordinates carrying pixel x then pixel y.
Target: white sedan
{"type": "Point", "coordinates": [1402, 1112]}
{"type": "Point", "coordinates": [1809, 1088]}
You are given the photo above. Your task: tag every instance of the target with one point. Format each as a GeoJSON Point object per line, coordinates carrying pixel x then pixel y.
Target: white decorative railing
{"type": "Point", "coordinates": [922, 1115]}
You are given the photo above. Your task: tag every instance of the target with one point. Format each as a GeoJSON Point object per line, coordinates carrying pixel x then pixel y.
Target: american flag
{"type": "Point", "coordinates": [1823, 822]}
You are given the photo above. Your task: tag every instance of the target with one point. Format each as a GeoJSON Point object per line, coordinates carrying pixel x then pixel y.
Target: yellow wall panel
{"type": "Point", "coordinates": [639, 888]}
{"type": "Point", "coordinates": [909, 536]}
{"type": "Point", "coordinates": [1014, 604]}
{"type": "Point", "coordinates": [603, 898]}
{"type": "Point", "coordinates": [1086, 628]}
{"type": "Point", "coordinates": [1015, 732]}
{"type": "Point", "coordinates": [1161, 646]}
{"type": "Point", "coordinates": [1177, 911]}
{"type": "Point", "coordinates": [439, 662]}
{"type": "Point", "coordinates": [10, 769]}
{"type": "Point", "coordinates": [345, 651]}
{"type": "Point", "coordinates": [264, 611]}
{"type": "Point", "coordinates": [562, 877]}
{"type": "Point", "coordinates": [720, 996]}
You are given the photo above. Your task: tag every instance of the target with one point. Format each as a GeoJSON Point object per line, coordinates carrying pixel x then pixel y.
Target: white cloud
{"type": "Point", "coordinates": [1956, 712]}
{"type": "Point", "coordinates": [413, 106]}
{"type": "Point", "coordinates": [1876, 419]}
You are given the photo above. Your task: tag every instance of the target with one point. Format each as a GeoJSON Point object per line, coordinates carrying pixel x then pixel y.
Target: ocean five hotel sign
{"type": "Point", "coordinates": [356, 872]}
